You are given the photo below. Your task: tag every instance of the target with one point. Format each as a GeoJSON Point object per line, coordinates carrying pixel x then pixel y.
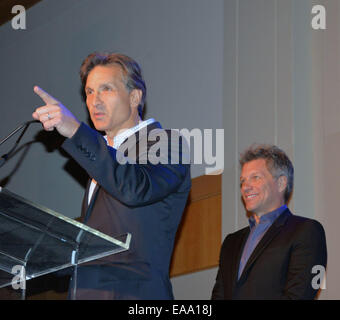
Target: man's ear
{"type": "Point", "coordinates": [282, 183]}
{"type": "Point", "coordinates": [135, 98]}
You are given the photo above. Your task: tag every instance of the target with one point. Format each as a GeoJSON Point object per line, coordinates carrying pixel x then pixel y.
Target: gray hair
{"type": "Point", "coordinates": [130, 68]}
{"type": "Point", "coordinates": [278, 163]}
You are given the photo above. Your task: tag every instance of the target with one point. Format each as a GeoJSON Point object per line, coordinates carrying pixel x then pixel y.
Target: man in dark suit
{"type": "Point", "coordinates": [274, 257]}
{"type": "Point", "coordinates": [139, 179]}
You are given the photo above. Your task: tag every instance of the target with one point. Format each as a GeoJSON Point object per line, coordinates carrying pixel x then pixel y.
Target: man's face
{"type": "Point", "coordinates": [108, 100]}
{"type": "Point", "coordinates": [261, 192]}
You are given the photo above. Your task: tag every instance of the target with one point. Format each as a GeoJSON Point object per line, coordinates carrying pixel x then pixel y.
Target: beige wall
{"type": "Point", "coordinates": [282, 86]}
{"type": "Point", "coordinates": [326, 139]}
{"type": "Point", "coordinates": [258, 87]}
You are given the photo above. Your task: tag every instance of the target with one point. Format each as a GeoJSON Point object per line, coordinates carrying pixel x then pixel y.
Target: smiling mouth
{"type": "Point", "coordinates": [250, 196]}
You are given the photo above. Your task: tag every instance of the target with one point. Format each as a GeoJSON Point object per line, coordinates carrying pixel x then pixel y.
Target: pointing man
{"type": "Point", "coordinates": [143, 198]}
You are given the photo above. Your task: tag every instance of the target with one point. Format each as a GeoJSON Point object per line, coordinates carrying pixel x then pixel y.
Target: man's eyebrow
{"type": "Point", "coordinates": [106, 83]}
{"type": "Point", "coordinates": [251, 174]}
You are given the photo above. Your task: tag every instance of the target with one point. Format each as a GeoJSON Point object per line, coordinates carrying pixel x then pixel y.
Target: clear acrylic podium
{"type": "Point", "coordinates": [35, 241]}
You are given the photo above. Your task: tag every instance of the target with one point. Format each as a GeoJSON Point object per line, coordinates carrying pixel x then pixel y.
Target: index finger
{"type": "Point", "coordinates": [47, 98]}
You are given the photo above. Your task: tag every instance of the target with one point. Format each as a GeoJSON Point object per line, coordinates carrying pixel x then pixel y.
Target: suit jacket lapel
{"type": "Point", "coordinates": [265, 241]}
{"type": "Point", "coordinates": [139, 135]}
{"type": "Point", "coordinates": [140, 144]}
{"type": "Point", "coordinates": [87, 208]}
{"type": "Point", "coordinates": [238, 253]}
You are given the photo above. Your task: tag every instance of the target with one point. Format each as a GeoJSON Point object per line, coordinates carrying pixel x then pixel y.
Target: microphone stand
{"type": "Point", "coordinates": [25, 125]}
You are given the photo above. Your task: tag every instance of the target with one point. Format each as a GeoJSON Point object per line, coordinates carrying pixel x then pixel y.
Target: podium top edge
{"type": "Point", "coordinates": [78, 224]}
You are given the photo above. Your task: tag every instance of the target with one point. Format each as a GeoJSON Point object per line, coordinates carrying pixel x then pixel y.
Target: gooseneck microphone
{"type": "Point", "coordinates": [25, 125]}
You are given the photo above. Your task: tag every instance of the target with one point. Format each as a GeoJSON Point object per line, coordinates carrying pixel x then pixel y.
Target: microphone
{"type": "Point", "coordinates": [24, 125]}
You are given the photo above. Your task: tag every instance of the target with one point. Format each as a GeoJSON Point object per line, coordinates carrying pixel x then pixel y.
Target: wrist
{"type": "Point", "coordinates": [74, 129]}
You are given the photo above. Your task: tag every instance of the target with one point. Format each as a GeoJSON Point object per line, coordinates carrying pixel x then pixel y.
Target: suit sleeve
{"type": "Point", "coordinates": [308, 251]}
{"type": "Point", "coordinates": [132, 184]}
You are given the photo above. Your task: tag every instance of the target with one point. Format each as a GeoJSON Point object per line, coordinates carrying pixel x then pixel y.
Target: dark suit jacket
{"type": "Point", "coordinates": [146, 200]}
{"type": "Point", "coordinates": [280, 266]}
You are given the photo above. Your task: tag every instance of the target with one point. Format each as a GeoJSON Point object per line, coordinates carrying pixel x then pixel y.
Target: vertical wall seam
{"type": "Point", "coordinates": [236, 109]}
{"type": "Point", "coordinates": [275, 74]}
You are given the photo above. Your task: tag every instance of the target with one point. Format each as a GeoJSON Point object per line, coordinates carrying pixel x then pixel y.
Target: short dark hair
{"type": "Point", "coordinates": [131, 71]}
{"type": "Point", "coordinates": [278, 163]}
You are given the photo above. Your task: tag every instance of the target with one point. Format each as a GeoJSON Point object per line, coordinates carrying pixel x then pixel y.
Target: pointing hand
{"type": "Point", "coordinates": [54, 115]}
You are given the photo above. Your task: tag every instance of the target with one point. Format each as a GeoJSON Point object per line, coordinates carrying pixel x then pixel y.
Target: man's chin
{"type": "Point", "coordinates": [99, 126]}
{"type": "Point", "coordinates": [250, 207]}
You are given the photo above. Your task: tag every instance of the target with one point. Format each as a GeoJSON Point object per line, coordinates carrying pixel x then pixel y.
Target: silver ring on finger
{"type": "Point", "coordinates": [49, 116]}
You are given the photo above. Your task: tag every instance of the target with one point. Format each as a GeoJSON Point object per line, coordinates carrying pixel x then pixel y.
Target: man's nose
{"type": "Point", "coordinates": [97, 99]}
{"type": "Point", "coordinates": [246, 186]}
